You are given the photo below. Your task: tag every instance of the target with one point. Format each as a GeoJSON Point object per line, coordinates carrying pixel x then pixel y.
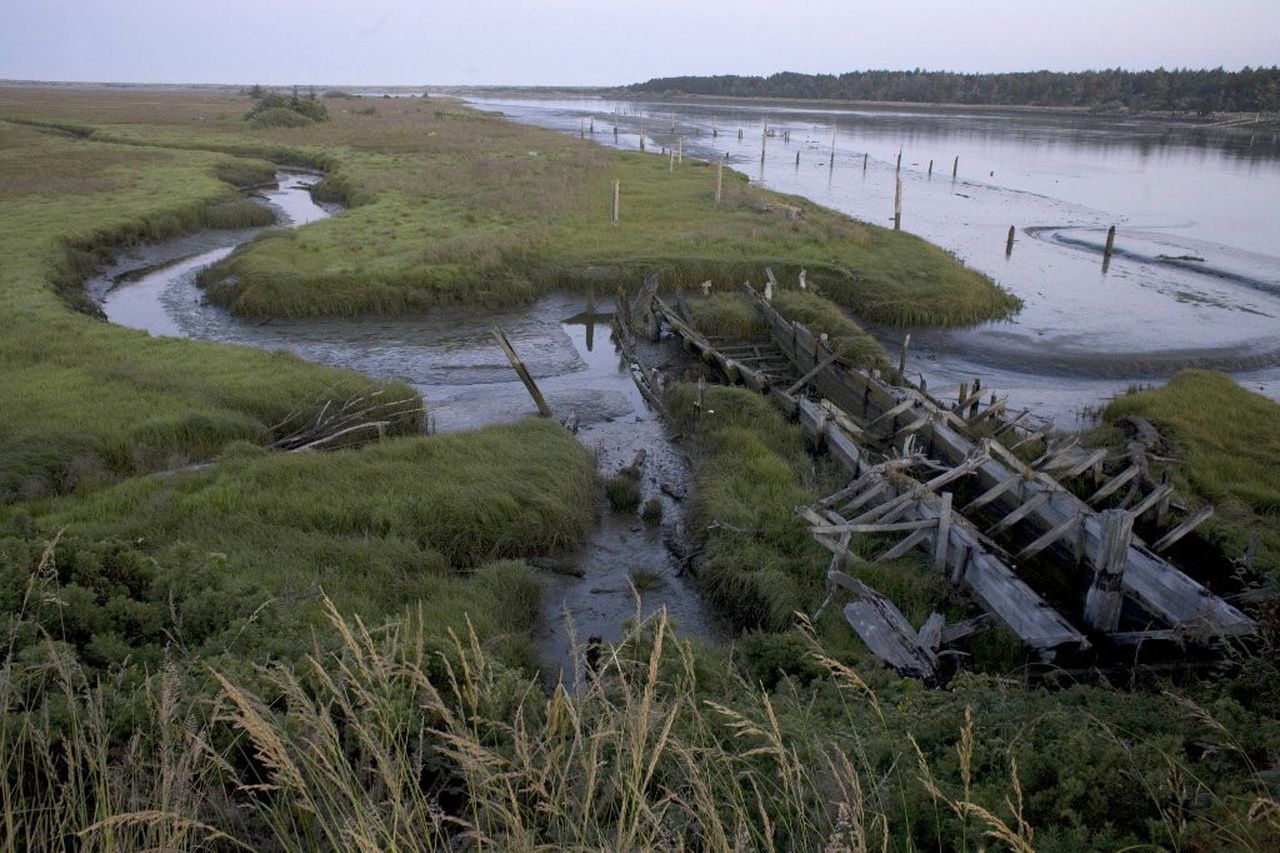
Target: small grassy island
{"type": "Point", "coordinates": [213, 643]}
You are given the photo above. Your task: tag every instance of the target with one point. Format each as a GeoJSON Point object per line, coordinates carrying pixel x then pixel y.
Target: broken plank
{"type": "Point", "coordinates": [1049, 538]}
{"type": "Point", "coordinates": [1202, 515]}
{"type": "Point", "coordinates": [1114, 484]}
{"type": "Point", "coordinates": [904, 547]}
{"type": "Point", "coordinates": [897, 527]}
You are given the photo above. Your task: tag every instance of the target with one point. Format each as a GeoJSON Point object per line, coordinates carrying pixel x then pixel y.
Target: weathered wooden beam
{"type": "Point", "coordinates": [960, 630]}
{"type": "Point", "coordinates": [523, 372]}
{"type": "Point", "coordinates": [863, 529]}
{"type": "Point", "coordinates": [814, 371]}
{"type": "Point", "coordinates": [1084, 464]}
{"type": "Point", "coordinates": [1114, 484]}
{"type": "Point", "coordinates": [881, 625]}
{"type": "Point", "coordinates": [942, 537]}
{"type": "Point", "coordinates": [1105, 596]}
{"type": "Point", "coordinates": [1199, 517]}
{"type": "Point", "coordinates": [1161, 492]}
{"type": "Point", "coordinates": [1049, 538]}
{"type": "Point", "coordinates": [920, 537]}
{"type": "Point", "coordinates": [991, 494]}
{"type": "Point", "coordinates": [1022, 511]}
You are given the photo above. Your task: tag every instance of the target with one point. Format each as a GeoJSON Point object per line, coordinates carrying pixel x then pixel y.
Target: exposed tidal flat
{"type": "Point", "coordinates": [384, 586]}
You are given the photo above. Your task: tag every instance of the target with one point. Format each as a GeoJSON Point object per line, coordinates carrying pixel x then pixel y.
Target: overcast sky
{"type": "Point", "coordinates": [604, 42]}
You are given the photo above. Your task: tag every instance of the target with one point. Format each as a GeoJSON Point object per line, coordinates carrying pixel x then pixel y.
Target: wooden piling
{"type": "Point", "coordinates": [955, 167]}
{"type": "Point", "coordinates": [864, 162]}
{"type": "Point", "coordinates": [764, 135]}
{"type": "Point", "coordinates": [641, 137]}
{"type": "Point", "coordinates": [523, 372]}
{"type": "Point", "coordinates": [797, 159]}
{"type": "Point", "coordinates": [1111, 244]}
{"type": "Point", "coordinates": [898, 168]}
{"type": "Point", "coordinates": [930, 169]}
{"type": "Point", "coordinates": [902, 359]}
{"type": "Point", "coordinates": [719, 180]}
{"type": "Point", "coordinates": [1008, 244]}
{"type": "Point", "coordinates": [1105, 596]}
{"type": "Point", "coordinates": [739, 133]}
{"type": "Point", "coordinates": [616, 192]}
{"type": "Point", "coordinates": [593, 126]}
{"type": "Point", "coordinates": [897, 206]}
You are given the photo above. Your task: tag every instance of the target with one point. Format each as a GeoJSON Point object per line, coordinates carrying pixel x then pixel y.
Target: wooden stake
{"type": "Point", "coordinates": [930, 169]}
{"type": "Point", "coordinates": [902, 359]}
{"type": "Point", "coordinates": [1106, 595]}
{"type": "Point", "coordinates": [1111, 243]}
{"type": "Point", "coordinates": [739, 133]}
{"type": "Point", "coordinates": [719, 180]}
{"type": "Point", "coordinates": [864, 162]}
{"type": "Point", "coordinates": [523, 372]}
{"type": "Point", "coordinates": [897, 206]}
{"type": "Point", "coordinates": [898, 168]}
{"type": "Point", "coordinates": [764, 134]}
{"type": "Point", "coordinates": [955, 167]}
{"type": "Point", "coordinates": [616, 190]}
{"type": "Point", "coordinates": [1008, 244]}
{"type": "Point", "coordinates": [797, 159]}
{"type": "Point", "coordinates": [641, 137]}
{"type": "Point", "coordinates": [593, 125]}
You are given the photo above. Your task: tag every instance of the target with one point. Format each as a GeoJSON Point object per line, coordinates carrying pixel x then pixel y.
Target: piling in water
{"type": "Point", "coordinates": [1008, 244]}
{"type": "Point", "coordinates": [955, 167]}
{"type": "Point", "coordinates": [797, 159]}
{"type": "Point", "coordinates": [1111, 243]}
{"type": "Point", "coordinates": [930, 169]}
{"type": "Point", "coordinates": [902, 359]}
{"type": "Point", "coordinates": [864, 162]}
{"type": "Point", "coordinates": [764, 136]}
{"type": "Point", "coordinates": [897, 206]}
{"type": "Point", "coordinates": [898, 168]}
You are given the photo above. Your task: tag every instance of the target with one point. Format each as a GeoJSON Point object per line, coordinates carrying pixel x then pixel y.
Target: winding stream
{"type": "Point", "coordinates": [450, 358]}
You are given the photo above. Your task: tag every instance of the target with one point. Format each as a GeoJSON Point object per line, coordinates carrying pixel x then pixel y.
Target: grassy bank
{"type": "Point", "coordinates": [1226, 447]}
{"type": "Point", "coordinates": [84, 402]}
{"type": "Point", "coordinates": [451, 205]}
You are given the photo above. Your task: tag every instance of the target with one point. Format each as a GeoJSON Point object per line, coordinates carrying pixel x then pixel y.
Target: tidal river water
{"type": "Point", "coordinates": [1194, 282]}
{"type": "Point", "coordinates": [452, 359]}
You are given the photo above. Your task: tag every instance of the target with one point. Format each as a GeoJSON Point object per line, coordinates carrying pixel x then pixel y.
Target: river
{"type": "Point", "coordinates": [1195, 281]}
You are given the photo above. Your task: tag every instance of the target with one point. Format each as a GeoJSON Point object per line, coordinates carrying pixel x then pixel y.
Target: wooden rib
{"type": "Point", "coordinates": [897, 527]}
{"type": "Point", "coordinates": [905, 545]}
{"type": "Point", "coordinates": [1022, 511]}
{"type": "Point", "coordinates": [1049, 538]}
{"type": "Point", "coordinates": [1157, 494]}
{"type": "Point", "coordinates": [1202, 515]}
{"type": "Point", "coordinates": [1114, 484]}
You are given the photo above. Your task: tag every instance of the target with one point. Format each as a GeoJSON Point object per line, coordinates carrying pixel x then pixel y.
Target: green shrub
{"type": "Point", "coordinates": [623, 492]}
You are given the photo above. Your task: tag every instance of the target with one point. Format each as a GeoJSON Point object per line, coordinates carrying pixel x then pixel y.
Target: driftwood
{"type": "Point", "coordinates": [324, 420]}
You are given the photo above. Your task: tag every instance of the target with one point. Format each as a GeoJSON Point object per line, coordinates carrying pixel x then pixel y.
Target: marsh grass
{"type": "Point", "coordinates": [446, 201]}
{"type": "Point", "coordinates": [1227, 445]}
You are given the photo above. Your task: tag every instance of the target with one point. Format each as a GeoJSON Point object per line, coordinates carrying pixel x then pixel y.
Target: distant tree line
{"type": "Point", "coordinates": [1179, 90]}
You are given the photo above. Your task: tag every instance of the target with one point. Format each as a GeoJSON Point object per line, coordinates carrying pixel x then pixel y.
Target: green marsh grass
{"type": "Point", "coordinates": [1227, 446]}
{"type": "Point", "coordinates": [458, 206]}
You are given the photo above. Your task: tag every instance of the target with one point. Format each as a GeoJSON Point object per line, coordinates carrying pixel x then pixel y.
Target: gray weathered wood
{"type": "Point", "coordinates": [1105, 597]}
{"type": "Point", "coordinates": [1200, 517]}
{"type": "Point", "coordinates": [523, 372]}
{"type": "Point", "coordinates": [942, 537]}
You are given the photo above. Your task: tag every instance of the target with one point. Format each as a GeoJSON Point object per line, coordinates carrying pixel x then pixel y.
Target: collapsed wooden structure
{"type": "Point", "coordinates": [1059, 573]}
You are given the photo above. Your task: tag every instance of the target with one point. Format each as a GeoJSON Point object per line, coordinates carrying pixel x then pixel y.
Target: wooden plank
{"type": "Point", "coordinates": [523, 372]}
{"type": "Point", "coordinates": [991, 494]}
{"type": "Point", "coordinates": [865, 529]}
{"type": "Point", "coordinates": [1026, 508]}
{"type": "Point", "coordinates": [813, 371]}
{"type": "Point", "coordinates": [942, 536]}
{"type": "Point", "coordinates": [1088, 462]}
{"type": "Point", "coordinates": [1114, 484]}
{"type": "Point", "coordinates": [904, 547]}
{"type": "Point", "coordinates": [960, 630]}
{"type": "Point", "coordinates": [1201, 515]}
{"type": "Point", "coordinates": [1158, 494]}
{"type": "Point", "coordinates": [1105, 598]}
{"type": "Point", "coordinates": [1049, 538]}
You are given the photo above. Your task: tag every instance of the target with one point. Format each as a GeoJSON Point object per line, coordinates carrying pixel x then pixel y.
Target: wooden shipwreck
{"type": "Point", "coordinates": [1060, 574]}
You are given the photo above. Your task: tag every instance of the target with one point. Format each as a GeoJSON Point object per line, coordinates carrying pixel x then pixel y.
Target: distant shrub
{"type": "Point", "coordinates": [278, 117]}
{"type": "Point", "coordinates": [652, 513]}
{"type": "Point", "coordinates": [271, 109]}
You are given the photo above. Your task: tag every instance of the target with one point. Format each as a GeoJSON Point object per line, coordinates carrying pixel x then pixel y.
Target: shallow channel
{"type": "Point", "coordinates": [450, 357]}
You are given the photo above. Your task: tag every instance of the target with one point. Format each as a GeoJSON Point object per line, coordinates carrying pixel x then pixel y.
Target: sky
{"type": "Point", "coordinates": [609, 42]}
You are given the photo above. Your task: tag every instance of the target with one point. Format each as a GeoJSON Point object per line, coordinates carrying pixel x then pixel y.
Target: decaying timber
{"type": "Point", "coordinates": [980, 512]}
